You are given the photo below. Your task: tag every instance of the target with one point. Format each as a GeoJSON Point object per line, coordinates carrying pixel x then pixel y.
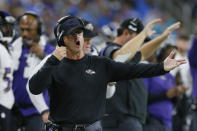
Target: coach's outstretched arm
{"type": "Point", "coordinates": [126, 71]}
{"type": "Point", "coordinates": [41, 80]}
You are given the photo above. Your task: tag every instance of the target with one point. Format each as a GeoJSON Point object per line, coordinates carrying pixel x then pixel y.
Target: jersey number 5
{"type": "Point", "coordinates": [6, 78]}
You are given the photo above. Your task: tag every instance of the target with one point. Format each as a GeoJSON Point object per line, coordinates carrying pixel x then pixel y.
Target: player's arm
{"type": "Point", "coordinates": [40, 104]}
{"type": "Point", "coordinates": [38, 100]}
{"type": "Point", "coordinates": [149, 48]}
{"type": "Point", "coordinates": [132, 46]}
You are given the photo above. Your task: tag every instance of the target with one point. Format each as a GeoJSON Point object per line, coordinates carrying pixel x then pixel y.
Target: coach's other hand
{"type": "Point", "coordinates": [60, 52]}
{"type": "Point", "coordinates": [170, 63]}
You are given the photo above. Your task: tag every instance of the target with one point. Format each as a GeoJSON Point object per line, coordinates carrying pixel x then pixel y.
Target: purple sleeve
{"type": "Point", "coordinates": [193, 53]}
{"type": "Point", "coordinates": [49, 48]}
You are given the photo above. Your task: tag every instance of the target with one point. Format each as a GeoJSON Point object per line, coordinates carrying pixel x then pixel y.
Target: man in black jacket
{"type": "Point", "coordinates": [77, 82]}
{"type": "Point", "coordinates": [123, 111]}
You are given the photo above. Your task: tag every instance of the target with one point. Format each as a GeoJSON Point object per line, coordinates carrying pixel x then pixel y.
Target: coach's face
{"type": "Point", "coordinates": [74, 41]}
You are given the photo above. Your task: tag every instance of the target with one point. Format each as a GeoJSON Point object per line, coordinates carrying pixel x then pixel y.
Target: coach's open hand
{"type": "Point", "coordinates": [171, 63]}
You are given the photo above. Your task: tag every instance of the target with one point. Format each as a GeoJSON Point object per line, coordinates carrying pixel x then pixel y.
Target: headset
{"type": "Point", "coordinates": [59, 33]}
{"type": "Point", "coordinates": [31, 13]}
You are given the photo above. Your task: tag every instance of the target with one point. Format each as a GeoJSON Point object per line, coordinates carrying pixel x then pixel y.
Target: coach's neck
{"type": "Point", "coordinates": [74, 55]}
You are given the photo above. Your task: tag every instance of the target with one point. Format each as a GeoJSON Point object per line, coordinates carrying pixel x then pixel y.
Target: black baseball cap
{"type": "Point", "coordinates": [132, 24]}
{"type": "Point", "coordinates": [88, 31]}
{"type": "Point", "coordinates": [70, 24]}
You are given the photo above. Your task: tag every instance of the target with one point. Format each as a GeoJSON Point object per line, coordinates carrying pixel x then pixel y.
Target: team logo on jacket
{"type": "Point", "coordinates": [90, 72]}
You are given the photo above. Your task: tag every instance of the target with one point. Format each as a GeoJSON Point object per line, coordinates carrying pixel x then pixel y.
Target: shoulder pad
{"type": "Point", "coordinates": [109, 49]}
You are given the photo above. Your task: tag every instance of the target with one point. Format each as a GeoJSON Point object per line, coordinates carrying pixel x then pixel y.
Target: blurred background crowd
{"type": "Point", "coordinates": [103, 12]}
